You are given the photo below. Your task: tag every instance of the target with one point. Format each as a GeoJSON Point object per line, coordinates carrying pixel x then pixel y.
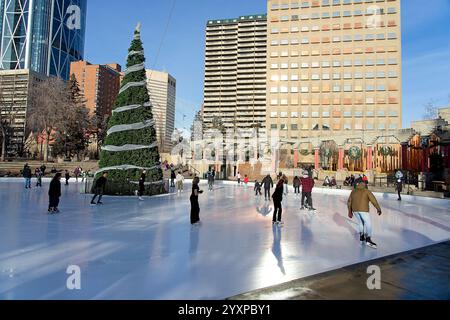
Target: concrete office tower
{"type": "Point", "coordinates": [15, 96]}
{"type": "Point", "coordinates": [334, 67]}
{"type": "Point", "coordinates": [42, 35]}
{"type": "Point", "coordinates": [235, 72]}
{"type": "Point", "coordinates": [100, 85]}
{"type": "Point", "coordinates": [162, 89]}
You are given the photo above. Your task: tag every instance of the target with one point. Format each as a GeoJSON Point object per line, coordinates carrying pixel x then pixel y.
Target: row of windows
{"type": "Point", "coordinates": [334, 88]}
{"type": "Point", "coordinates": [323, 3]}
{"type": "Point", "coordinates": [334, 64]}
{"type": "Point", "coordinates": [327, 27]}
{"type": "Point", "coordinates": [335, 14]}
{"type": "Point", "coordinates": [334, 39]}
{"type": "Point", "coordinates": [336, 114]}
{"type": "Point", "coordinates": [336, 76]}
{"type": "Point", "coordinates": [380, 99]}
{"type": "Point", "coordinates": [334, 51]}
{"type": "Point", "coordinates": [326, 126]}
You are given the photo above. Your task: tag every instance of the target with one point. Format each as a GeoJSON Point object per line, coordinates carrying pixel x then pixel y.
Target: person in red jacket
{"type": "Point", "coordinates": [307, 186]}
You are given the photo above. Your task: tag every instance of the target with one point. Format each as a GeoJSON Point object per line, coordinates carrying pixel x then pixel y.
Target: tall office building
{"type": "Point", "coordinates": [162, 89]}
{"type": "Point", "coordinates": [15, 95]}
{"type": "Point", "coordinates": [42, 35]}
{"type": "Point", "coordinates": [334, 67]}
{"type": "Point", "coordinates": [235, 72]}
{"type": "Point", "coordinates": [100, 85]}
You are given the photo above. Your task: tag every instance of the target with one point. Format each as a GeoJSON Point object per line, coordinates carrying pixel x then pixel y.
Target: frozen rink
{"type": "Point", "coordinates": [148, 250]}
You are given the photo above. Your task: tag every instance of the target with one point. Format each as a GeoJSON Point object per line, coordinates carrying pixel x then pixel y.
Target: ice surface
{"type": "Point", "coordinates": [128, 249]}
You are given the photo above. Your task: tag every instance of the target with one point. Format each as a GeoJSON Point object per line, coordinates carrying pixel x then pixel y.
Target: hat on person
{"type": "Point", "coordinates": [358, 179]}
{"type": "Point", "coordinates": [305, 174]}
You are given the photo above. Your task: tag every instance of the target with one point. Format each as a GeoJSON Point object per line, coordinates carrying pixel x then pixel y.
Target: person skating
{"type": "Point", "coordinates": [43, 168]}
{"type": "Point", "coordinates": [238, 176]}
{"type": "Point", "coordinates": [99, 188]}
{"type": "Point", "coordinates": [210, 180]}
{"type": "Point", "coordinates": [246, 181]}
{"type": "Point", "coordinates": [399, 189]}
{"type": "Point", "coordinates": [54, 193]}
{"type": "Point", "coordinates": [307, 186]}
{"type": "Point", "coordinates": [26, 173]}
{"type": "Point", "coordinates": [195, 206]}
{"type": "Point", "coordinates": [180, 181]}
{"type": "Point", "coordinates": [277, 199]}
{"type": "Point", "coordinates": [257, 188]}
{"type": "Point", "coordinates": [399, 186]}
{"type": "Point", "coordinates": [285, 185]}
{"type": "Point", "coordinates": [142, 185]}
{"type": "Point", "coordinates": [358, 206]}
{"type": "Point", "coordinates": [268, 183]}
{"type": "Point", "coordinates": [77, 173]}
{"type": "Point", "coordinates": [296, 184]}
{"type": "Point", "coordinates": [67, 177]}
{"type": "Point", "coordinates": [172, 177]}
{"type": "Point", "coordinates": [38, 174]}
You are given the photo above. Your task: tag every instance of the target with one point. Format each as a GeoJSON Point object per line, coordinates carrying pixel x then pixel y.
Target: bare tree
{"type": "Point", "coordinates": [48, 110]}
{"type": "Point", "coordinates": [431, 111]}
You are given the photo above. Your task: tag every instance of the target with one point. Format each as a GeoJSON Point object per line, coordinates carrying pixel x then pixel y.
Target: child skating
{"type": "Point", "coordinates": [257, 188]}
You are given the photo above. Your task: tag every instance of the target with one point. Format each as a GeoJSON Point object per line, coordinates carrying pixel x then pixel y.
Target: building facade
{"type": "Point", "coordinates": [100, 85]}
{"type": "Point", "coordinates": [235, 72]}
{"type": "Point", "coordinates": [14, 101]}
{"type": "Point", "coordinates": [162, 89]}
{"type": "Point", "coordinates": [334, 67]}
{"type": "Point", "coordinates": [42, 35]}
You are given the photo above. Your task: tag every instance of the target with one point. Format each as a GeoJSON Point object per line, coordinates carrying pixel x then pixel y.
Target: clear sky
{"type": "Point", "coordinates": [110, 24]}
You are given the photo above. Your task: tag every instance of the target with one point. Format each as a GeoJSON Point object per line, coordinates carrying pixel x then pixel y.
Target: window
{"type": "Point", "coordinates": [294, 114]}
{"type": "Point", "coordinates": [294, 77]}
{"type": "Point", "coordinates": [284, 89]}
{"type": "Point", "coordinates": [284, 66]}
{"type": "Point", "coordinates": [381, 36]}
{"type": "Point", "coordinates": [393, 113]}
{"type": "Point", "coordinates": [336, 63]}
{"type": "Point", "coordinates": [305, 29]}
{"type": "Point", "coordinates": [325, 126]}
{"type": "Point", "coordinates": [347, 63]}
{"type": "Point", "coordinates": [315, 77]}
{"type": "Point", "coordinates": [347, 88]}
{"type": "Point", "coordinates": [283, 114]}
{"type": "Point", "coordinates": [294, 41]}
{"type": "Point", "coordinates": [274, 102]}
{"type": "Point", "coordinates": [358, 114]}
{"type": "Point", "coordinates": [325, 64]}
{"type": "Point", "coordinates": [381, 113]}
{"type": "Point", "coordinates": [347, 114]}
{"type": "Point", "coordinates": [381, 74]}
{"type": "Point", "coordinates": [347, 126]}
{"type": "Point", "coordinates": [336, 14]}
{"type": "Point", "coordinates": [305, 65]}
{"type": "Point", "coordinates": [284, 42]}
{"type": "Point", "coordinates": [326, 114]}
{"type": "Point", "coordinates": [294, 127]}
{"type": "Point", "coordinates": [274, 90]}
{"type": "Point", "coordinates": [273, 126]}
{"type": "Point", "coordinates": [305, 114]}
{"type": "Point", "coordinates": [315, 65]}
{"type": "Point", "coordinates": [392, 61]}
{"type": "Point", "coordinates": [336, 88]}
{"type": "Point", "coordinates": [315, 114]}
{"type": "Point", "coordinates": [370, 75]}
{"type": "Point", "coordinates": [295, 29]}
{"type": "Point", "coordinates": [275, 30]}
{"type": "Point", "coordinates": [325, 15]}
{"type": "Point", "coordinates": [370, 63]}
{"type": "Point", "coordinates": [392, 126]}
{"type": "Point", "coordinates": [305, 89]}
{"type": "Point", "coordinates": [294, 65]}
{"type": "Point", "coordinates": [369, 114]}
{"type": "Point", "coordinates": [274, 78]}
{"type": "Point", "coordinates": [370, 37]}
{"type": "Point", "coordinates": [326, 76]}
{"type": "Point", "coordinates": [336, 76]}
{"type": "Point", "coordinates": [392, 36]}
{"type": "Point", "coordinates": [391, 10]}
{"type": "Point", "coordinates": [273, 114]}
{"type": "Point", "coordinates": [294, 89]}
{"type": "Point", "coordinates": [284, 77]}
{"type": "Point", "coordinates": [381, 87]}
{"type": "Point", "coordinates": [392, 74]}
{"type": "Point", "coordinates": [381, 126]}
{"type": "Point", "coordinates": [347, 75]}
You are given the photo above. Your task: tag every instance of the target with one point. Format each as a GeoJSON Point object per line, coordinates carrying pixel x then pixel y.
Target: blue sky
{"type": "Point", "coordinates": [426, 44]}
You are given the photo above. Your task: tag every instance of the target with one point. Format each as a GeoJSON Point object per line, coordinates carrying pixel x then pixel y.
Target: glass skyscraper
{"type": "Point", "coordinates": [42, 35]}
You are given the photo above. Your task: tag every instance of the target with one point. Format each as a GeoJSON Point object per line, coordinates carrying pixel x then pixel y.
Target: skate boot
{"type": "Point", "coordinates": [141, 199]}
{"type": "Point", "coordinates": [362, 237]}
{"type": "Point", "coordinates": [99, 203]}
{"type": "Point", "coordinates": [370, 243]}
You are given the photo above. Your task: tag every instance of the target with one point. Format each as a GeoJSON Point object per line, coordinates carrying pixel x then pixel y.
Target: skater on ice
{"type": "Point", "coordinates": [210, 180]}
{"type": "Point", "coordinates": [99, 188]}
{"type": "Point", "coordinates": [268, 183]}
{"type": "Point", "coordinates": [26, 172]}
{"type": "Point", "coordinates": [296, 184]}
{"type": "Point", "coordinates": [67, 177]}
{"type": "Point", "coordinates": [238, 176]}
{"type": "Point", "coordinates": [195, 206]}
{"type": "Point", "coordinates": [307, 186]}
{"type": "Point", "coordinates": [277, 199]}
{"type": "Point", "coordinates": [54, 193]}
{"type": "Point", "coordinates": [257, 188]}
{"type": "Point", "coordinates": [246, 181]}
{"type": "Point", "coordinates": [180, 181]}
{"type": "Point", "coordinates": [38, 175]}
{"type": "Point", "coordinates": [142, 185]}
{"type": "Point", "coordinates": [399, 184]}
{"type": "Point", "coordinates": [358, 206]}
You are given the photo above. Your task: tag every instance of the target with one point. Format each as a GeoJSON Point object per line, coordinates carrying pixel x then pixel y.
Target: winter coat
{"type": "Point", "coordinates": [278, 194]}
{"type": "Point", "coordinates": [267, 182]}
{"type": "Point", "coordinates": [55, 188]}
{"type": "Point", "coordinates": [27, 172]}
{"type": "Point", "coordinates": [296, 182]}
{"type": "Point", "coordinates": [257, 186]}
{"type": "Point", "coordinates": [307, 184]}
{"type": "Point", "coordinates": [101, 183]}
{"type": "Point", "coordinates": [359, 200]}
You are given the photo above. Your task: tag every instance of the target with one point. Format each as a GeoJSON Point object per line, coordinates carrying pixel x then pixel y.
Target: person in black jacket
{"type": "Point", "coordinates": [142, 185]}
{"type": "Point", "coordinates": [195, 206]}
{"type": "Point", "coordinates": [172, 177]}
{"type": "Point", "coordinates": [257, 188]}
{"type": "Point", "coordinates": [268, 183]}
{"type": "Point", "coordinates": [99, 188]}
{"type": "Point", "coordinates": [67, 177]}
{"type": "Point", "coordinates": [27, 175]}
{"type": "Point", "coordinates": [277, 198]}
{"type": "Point", "coordinates": [54, 193]}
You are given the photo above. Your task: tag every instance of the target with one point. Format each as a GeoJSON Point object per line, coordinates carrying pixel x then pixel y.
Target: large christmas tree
{"type": "Point", "coordinates": [131, 142]}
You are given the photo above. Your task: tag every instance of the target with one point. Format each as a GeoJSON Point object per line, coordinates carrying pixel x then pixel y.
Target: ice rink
{"type": "Point", "coordinates": [128, 249]}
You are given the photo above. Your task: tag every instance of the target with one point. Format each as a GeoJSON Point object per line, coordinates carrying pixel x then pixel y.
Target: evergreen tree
{"type": "Point", "coordinates": [130, 145]}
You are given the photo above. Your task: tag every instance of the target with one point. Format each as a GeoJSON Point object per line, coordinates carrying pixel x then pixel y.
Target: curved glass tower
{"type": "Point", "coordinates": [42, 35]}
